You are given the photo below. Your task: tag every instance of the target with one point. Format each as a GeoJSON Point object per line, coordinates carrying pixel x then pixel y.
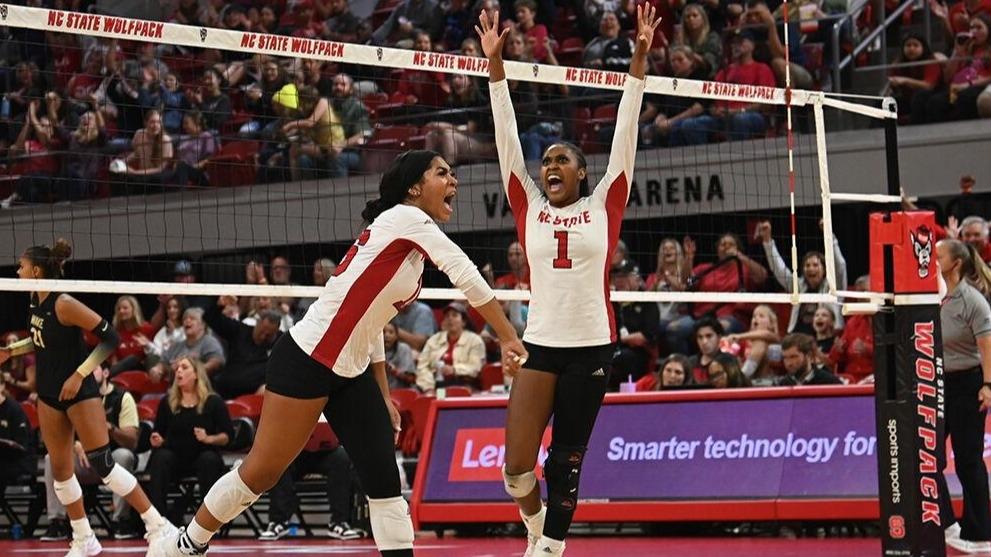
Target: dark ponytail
{"type": "Point", "coordinates": [50, 259]}
{"type": "Point", "coordinates": [404, 172]}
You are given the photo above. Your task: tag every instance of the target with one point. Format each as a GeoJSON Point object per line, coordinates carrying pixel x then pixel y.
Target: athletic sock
{"type": "Point", "coordinates": [81, 528]}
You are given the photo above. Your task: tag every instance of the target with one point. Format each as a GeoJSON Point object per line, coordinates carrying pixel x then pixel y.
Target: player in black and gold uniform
{"type": "Point", "coordinates": [70, 399]}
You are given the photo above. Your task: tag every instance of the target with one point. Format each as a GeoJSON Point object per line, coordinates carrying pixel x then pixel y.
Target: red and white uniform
{"type": "Point", "coordinates": [381, 273]}
{"type": "Point", "coordinates": [568, 248]}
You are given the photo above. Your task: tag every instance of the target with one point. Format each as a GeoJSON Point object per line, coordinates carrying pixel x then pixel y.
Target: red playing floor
{"type": "Point", "coordinates": [428, 546]}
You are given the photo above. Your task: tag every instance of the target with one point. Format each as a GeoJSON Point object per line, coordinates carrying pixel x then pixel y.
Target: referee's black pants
{"type": "Point", "coordinates": [965, 428]}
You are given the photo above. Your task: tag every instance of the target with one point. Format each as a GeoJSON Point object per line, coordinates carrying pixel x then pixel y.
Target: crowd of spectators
{"type": "Point", "coordinates": [85, 116]}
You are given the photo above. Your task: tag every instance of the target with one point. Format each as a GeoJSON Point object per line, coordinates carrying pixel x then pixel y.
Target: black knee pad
{"type": "Point", "coordinates": [101, 460]}
{"type": "Point", "coordinates": [562, 471]}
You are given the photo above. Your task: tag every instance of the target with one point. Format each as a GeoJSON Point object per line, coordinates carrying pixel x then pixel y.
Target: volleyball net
{"type": "Point", "coordinates": [256, 190]}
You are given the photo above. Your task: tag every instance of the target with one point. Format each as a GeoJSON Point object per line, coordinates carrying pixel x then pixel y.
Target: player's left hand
{"type": "Point", "coordinates": [396, 420]}
{"type": "Point", "coordinates": [647, 22]}
{"type": "Point", "coordinates": [71, 387]}
{"type": "Point", "coordinates": [984, 395]}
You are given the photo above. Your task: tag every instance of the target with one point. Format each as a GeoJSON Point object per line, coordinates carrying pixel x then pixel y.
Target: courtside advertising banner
{"type": "Point", "coordinates": [775, 448]}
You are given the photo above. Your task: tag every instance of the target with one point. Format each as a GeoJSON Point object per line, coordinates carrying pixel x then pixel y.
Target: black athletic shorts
{"type": "Point", "coordinates": [586, 360]}
{"type": "Point", "coordinates": [293, 373]}
{"type": "Point", "coordinates": [89, 389]}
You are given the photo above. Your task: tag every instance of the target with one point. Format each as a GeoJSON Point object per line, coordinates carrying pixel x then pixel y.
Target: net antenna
{"type": "Point", "coordinates": [282, 46]}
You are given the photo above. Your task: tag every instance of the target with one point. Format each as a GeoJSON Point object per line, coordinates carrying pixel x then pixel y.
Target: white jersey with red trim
{"type": "Point", "coordinates": [381, 273]}
{"type": "Point", "coordinates": [568, 248]}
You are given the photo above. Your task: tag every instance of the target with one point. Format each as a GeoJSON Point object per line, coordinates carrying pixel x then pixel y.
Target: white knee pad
{"type": "Point", "coordinates": [229, 497]}
{"type": "Point", "coordinates": [392, 526]}
{"type": "Point", "coordinates": [120, 481]}
{"type": "Point", "coordinates": [68, 491]}
{"type": "Point", "coordinates": [520, 485]}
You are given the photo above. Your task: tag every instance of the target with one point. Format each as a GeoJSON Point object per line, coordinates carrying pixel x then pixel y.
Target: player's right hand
{"type": "Point", "coordinates": [514, 355]}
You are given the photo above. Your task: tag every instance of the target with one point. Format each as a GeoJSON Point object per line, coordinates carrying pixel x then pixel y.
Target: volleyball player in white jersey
{"type": "Point", "coordinates": [320, 365]}
{"type": "Point", "coordinates": [568, 236]}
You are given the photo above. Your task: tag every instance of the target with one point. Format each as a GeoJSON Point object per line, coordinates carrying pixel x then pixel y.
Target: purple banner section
{"type": "Point", "coordinates": [814, 447]}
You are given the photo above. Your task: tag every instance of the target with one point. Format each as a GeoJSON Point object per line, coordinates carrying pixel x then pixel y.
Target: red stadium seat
{"type": "Point", "coordinates": [387, 142]}
{"type": "Point", "coordinates": [31, 411]}
{"type": "Point", "coordinates": [253, 404]}
{"type": "Point", "coordinates": [147, 410]}
{"type": "Point", "coordinates": [238, 409]}
{"type": "Point", "coordinates": [490, 376]}
{"type": "Point", "coordinates": [419, 412]}
{"type": "Point", "coordinates": [457, 390]}
{"type": "Point", "coordinates": [235, 165]}
{"type": "Point", "coordinates": [138, 383]}
{"type": "Point", "coordinates": [403, 397]}
{"type": "Point", "coordinates": [570, 51]}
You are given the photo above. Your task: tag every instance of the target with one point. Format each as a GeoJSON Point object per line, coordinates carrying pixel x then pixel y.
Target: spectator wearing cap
{"type": "Point", "coordinates": [406, 19]}
{"type": "Point", "coordinates": [637, 323]}
{"type": "Point", "coordinates": [740, 120]}
{"type": "Point", "coordinates": [799, 354]}
{"type": "Point", "coordinates": [183, 272]}
{"type": "Point", "coordinates": [453, 356]}
{"type": "Point", "coordinates": [248, 348]}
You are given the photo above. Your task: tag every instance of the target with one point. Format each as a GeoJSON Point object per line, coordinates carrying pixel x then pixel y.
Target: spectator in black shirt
{"type": "Point", "coordinates": [247, 348]}
{"type": "Point", "coordinates": [798, 351]}
{"type": "Point", "coordinates": [17, 458]}
{"type": "Point", "coordinates": [211, 101]}
{"type": "Point", "coordinates": [637, 324]}
{"type": "Point", "coordinates": [191, 427]}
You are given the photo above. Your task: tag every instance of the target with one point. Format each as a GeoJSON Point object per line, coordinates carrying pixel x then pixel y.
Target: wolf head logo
{"type": "Point", "coordinates": [922, 245]}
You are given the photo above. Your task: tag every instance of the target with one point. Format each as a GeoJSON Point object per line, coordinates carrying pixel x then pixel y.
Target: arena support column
{"type": "Point", "coordinates": [908, 364]}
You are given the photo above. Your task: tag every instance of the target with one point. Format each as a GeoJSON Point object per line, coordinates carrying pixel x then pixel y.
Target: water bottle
{"type": "Point", "coordinates": [16, 532]}
{"type": "Point", "coordinates": [5, 108]}
{"type": "Point", "coordinates": [293, 529]}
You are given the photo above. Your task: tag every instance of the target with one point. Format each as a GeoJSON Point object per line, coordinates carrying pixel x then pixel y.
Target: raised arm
{"type": "Point", "coordinates": [512, 165]}
{"type": "Point", "coordinates": [774, 260]}
{"type": "Point", "coordinates": [624, 143]}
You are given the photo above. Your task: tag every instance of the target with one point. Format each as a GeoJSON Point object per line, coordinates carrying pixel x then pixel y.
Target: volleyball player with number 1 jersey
{"type": "Point", "coordinates": [568, 236]}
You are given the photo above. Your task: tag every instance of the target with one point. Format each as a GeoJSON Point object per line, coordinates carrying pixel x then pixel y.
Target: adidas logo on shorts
{"type": "Point", "coordinates": [598, 373]}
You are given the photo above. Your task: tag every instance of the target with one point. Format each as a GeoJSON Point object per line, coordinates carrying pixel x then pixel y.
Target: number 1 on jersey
{"type": "Point", "coordinates": [562, 261]}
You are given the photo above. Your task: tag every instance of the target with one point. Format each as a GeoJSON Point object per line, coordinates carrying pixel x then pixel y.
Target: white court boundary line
{"type": "Point", "coordinates": [277, 45]}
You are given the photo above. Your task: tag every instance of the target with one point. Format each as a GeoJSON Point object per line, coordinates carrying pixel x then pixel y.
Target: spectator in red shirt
{"type": "Point", "coordinates": [708, 335]}
{"type": "Point", "coordinates": [905, 82]}
{"type": "Point", "coordinates": [130, 324]}
{"type": "Point", "coordinates": [740, 120]}
{"type": "Point", "coordinates": [733, 271]}
{"type": "Point", "coordinates": [518, 276]}
{"type": "Point", "coordinates": [536, 33]}
{"type": "Point", "coordinates": [674, 372]}
{"type": "Point", "coordinates": [956, 18]}
{"type": "Point", "coordinates": [427, 90]}
{"type": "Point", "coordinates": [853, 351]}
{"type": "Point", "coordinates": [966, 74]}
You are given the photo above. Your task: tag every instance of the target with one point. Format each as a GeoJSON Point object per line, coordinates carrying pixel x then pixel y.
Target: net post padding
{"type": "Point", "coordinates": [908, 373]}
{"type": "Point", "coordinates": [175, 34]}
